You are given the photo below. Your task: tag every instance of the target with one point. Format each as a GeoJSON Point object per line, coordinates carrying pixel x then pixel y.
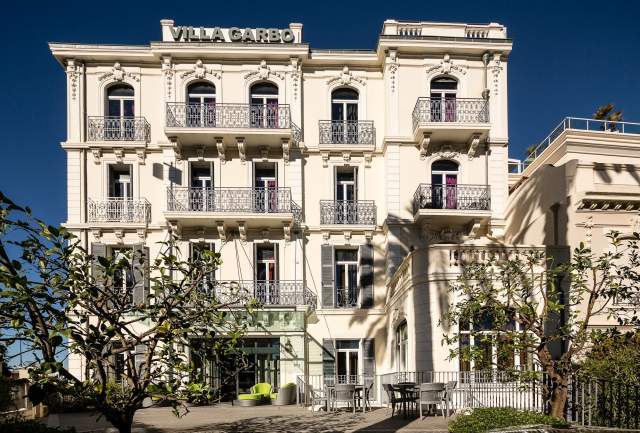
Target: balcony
{"type": "Point", "coordinates": [347, 135]}
{"type": "Point", "coordinates": [460, 120]}
{"type": "Point", "coordinates": [279, 293]}
{"type": "Point", "coordinates": [347, 297]}
{"type": "Point", "coordinates": [120, 129]}
{"type": "Point", "coordinates": [118, 210]}
{"type": "Point", "coordinates": [246, 207]}
{"type": "Point", "coordinates": [457, 203]}
{"type": "Point", "coordinates": [348, 212]}
{"type": "Point", "coordinates": [256, 124]}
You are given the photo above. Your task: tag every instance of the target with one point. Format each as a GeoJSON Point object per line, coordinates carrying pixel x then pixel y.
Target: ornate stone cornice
{"type": "Point", "coordinates": [446, 66]}
{"type": "Point", "coordinates": [263, 72]}
{"type": "Point", "coordinates": [117, 73]}
{"type": "Point", "coordinates": [346, 77]}
{"type": "Point", "coordinates": [200, 71]}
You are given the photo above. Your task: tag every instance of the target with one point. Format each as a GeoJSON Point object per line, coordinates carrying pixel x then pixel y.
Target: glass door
{"type": "Point", "coordinates": [347, 361]}
{"type": "Point", "coordinates": [201, 105]}
{"type": "Point", "coordinates": [201, 193]}
{"type": "Point", "coordinates": [344, 121]}
{"type": "Point", "coordinates": [264, 106]}
{"type": "Point", "coordinates": [266, 189]}
{"type": "Point", "coordinates": [345, 196]}
{"type": "Point", "coordinates": [120, 124]}
{"type": "Point", "coordinates": [444, 190]}
{"type": "Point", "coordinates": [266, 269]}
{"type": "Point", "coordinates": [120, 207]}
{"type": "Point", "coordinates": [346, 262]}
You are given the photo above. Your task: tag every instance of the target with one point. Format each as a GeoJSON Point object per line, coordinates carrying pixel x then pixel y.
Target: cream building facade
{"type": "Point", "coordinates": [344, 188]}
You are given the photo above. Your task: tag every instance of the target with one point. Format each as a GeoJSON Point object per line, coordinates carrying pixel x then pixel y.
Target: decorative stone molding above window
{"type": "Point", "coordinates": [446, 66]}
{"type": "Point", "coordinates": [200, 71]}
{"type": "Point", "coordinates": [117, 73]}
{"type": "Point", "coordinates": [346, 77]}
{"type": "Point", "coordinates": [263, 72]}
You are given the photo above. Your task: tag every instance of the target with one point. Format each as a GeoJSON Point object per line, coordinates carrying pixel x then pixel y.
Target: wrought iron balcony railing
{"type": "Point", "coordinates": [119, 210]}
{"type": "Point", "coordinates": [250, 200]}
{"type": "Point", "coordinates": [106, 128]}
{"type": "Point", "coordinates": [458, 110]}
{"type": "Point", "coordinates": [348, 212]}
{"type": "Point", "coordinates": [346, 297]}
{"type": "Point", "coordinates": [268, 293]}
{"type": "Point", "coordinates": [462, 197]}
{"type": "Point", "coordinates": [183, 115]}
{"type": "Point", "coordinates": [347, 132]}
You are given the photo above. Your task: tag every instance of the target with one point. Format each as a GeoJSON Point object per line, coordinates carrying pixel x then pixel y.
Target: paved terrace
{"type": "Point", "coordinates": [265, 419]}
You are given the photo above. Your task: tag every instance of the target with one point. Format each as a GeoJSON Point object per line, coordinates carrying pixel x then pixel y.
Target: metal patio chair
{"type": "Point", "coordinates": [431, 394]}
{"type": "Point", "coordinates": [345, 393]}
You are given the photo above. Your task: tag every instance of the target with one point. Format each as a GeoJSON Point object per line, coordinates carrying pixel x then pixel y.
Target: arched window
{"type": "Point", "coordinates": [344, 115]}
{"type": "Point", "coordinates": [264, 105]}
{"type": "Point", "coordinates": [120, 101]}
{"type": "Point", "coordinates": [201, 108]}
{"type": "Point", "coordinates": [444, 184]}
{"type": "Point", "coordinates": [443, 99]}
{"type": "Point", "coordinates": [119, 123]}
{"type": "Point", "coordinates": [402, 348]}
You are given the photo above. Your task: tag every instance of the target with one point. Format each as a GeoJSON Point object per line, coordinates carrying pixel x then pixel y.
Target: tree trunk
{"type": "Point", "coordinates": [559, 397]}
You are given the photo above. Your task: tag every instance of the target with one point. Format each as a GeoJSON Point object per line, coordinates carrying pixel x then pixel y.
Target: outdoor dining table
{"type": "Point", "coordinates": [407, 392]}
{"type": "Point", "coordinates": [358, 387]}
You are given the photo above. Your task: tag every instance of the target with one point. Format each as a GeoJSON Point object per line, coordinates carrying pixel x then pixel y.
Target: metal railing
{"type": "Point", "coordinates": [582, 124]}
{"type": "Point", "coordinates": [119, 210]}
{"type": "Point", "coordinates": [109, 128]}
{"type": "Point", "coordinates": [184, 115]}
{"type": "Point", "coordinates": [249, 200]}
{"type": "Point", "coordinates": [458, 110]}
{"type": "Point", "coordinates": [348, 212]}
{"type": "Point", "coordinates": [268, 293]}
{"type": "Point", "coordinates": [347, 132]}
{"type": "Point", "coordinates": [346, 297]}
{"type": "Point", "coordinates": [461, 197]}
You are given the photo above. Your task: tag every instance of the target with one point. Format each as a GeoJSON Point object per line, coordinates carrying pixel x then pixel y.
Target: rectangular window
{"type": "Point", "coordinates": [347, 361]}
{"type": "Point", "coordinates": [402, 346]}
{"type": "Point", "coordinates": [120, 181]}
{"type": "Point", "coordinates": [123, 280]}
{"type": "Point", "coordinates": [346, 278]}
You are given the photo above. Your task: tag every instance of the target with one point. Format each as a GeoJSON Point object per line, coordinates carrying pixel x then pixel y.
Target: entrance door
{"type": "Point", "coordinates": [266, 189]}
{"type": "Point", "coordinates": [263, 363]}
{"type": "Point", "coordinates": [120, 122]}
{"type": "Point", "coordinates": [264, 105]}
{"type": "Point", "coordinates": [444, 185]}
{"type": "Point", "coordinates": [347, 361]}
{"type": "Point", "coordinates": [443, 99]}
{"type": "Point", "coordinates": [344, 116]}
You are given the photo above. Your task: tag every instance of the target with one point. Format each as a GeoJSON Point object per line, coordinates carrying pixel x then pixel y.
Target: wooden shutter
{"type": "Point", "coordinates": [328, 277]}
{"type": "Point", "coordinates": [98, 250]}
{"type": "Point", "coordinates": [140, 259]}
{"type": "Point", "coordinates": [366, 275]}
{"type": "Point", "coordinates": [368, 360]}
{"type": "Point", "coordinates": [328, 359]}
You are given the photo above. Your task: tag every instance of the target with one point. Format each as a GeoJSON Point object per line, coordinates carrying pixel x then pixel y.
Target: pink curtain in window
{"type": "Point", "coordinates": [452, 191]}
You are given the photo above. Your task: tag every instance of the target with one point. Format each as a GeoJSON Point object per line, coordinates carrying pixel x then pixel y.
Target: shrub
{"type": "Point", "coordinates": [482, 420]}
{"type": "Point", "coordinates": [30, 426]}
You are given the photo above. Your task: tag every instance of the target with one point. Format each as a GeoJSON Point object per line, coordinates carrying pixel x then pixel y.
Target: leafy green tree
{"type": "Point", "coordinates": [539, 305]}
{"type": "Point", "coordinates": [57, 299]}
{"type": "Point", "coordinates": [613, 356]}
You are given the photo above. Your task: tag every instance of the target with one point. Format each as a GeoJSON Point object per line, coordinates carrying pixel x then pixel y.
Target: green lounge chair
{"type": "Point", "coordinates": [258, 392]}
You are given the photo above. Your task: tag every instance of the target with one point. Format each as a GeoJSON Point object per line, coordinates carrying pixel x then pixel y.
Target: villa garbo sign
{"type": "Point", "coordinates": [232, 34]}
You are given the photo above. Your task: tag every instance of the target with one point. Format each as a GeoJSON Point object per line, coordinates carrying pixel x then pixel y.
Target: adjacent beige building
{"type": "Point", "coordinates": [344, 188]}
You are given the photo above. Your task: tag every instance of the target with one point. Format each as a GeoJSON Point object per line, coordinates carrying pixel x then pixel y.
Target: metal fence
{"type": "Point", "coordinates": [119, 210]}
{"type": "Point", "coordinates": [455, 110]}
{"type": "Point", "coordinates": [581, 124]}
{"type": "Point", "coordinates": [250, 200]}
{"type": "Point", "coordinates": [270, 116]}
{"type": "Point", "coordinates": [111, 128]}
{"type": "Point", "coordinates": [347, 132]}
{"type": "Point", "coordinates": [591, 401]}
{"type": "Point", "coordinates": [463, 197]}
{"type": "Point", "coordinates": [348, 212]}
{"type": "Point", "coordinates": [273, 292]}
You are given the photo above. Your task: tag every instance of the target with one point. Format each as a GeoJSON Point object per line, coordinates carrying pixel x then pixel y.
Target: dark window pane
{"type": "Point", "coordinates": [346, 255]}
{"type": "Point", "coordinates": [344, 93]}
{"type": "Point", "coordinates": [120, 90]}
{"type": "Point", "coordinates": [444, 83]}
{"type": "Point", "coordinates": [337, 111]}
{"type": "Point", "coordinates": [344, 176]}
{"type": "Point", "coordinates": [352, 112]}
{"type": "Point", "coordinates": [264, 88]}
{"type": "Point", "coordinates": [128, 108]}
{"type": "Point", "coordinates": [347, 344]}
{"type": "Point", "coordinates": [444, 165]}
{"type": "Point", "coordinates": [202, 88]}
{"type": "Point", "coordinates": [114, 108]}
{"type": "Point", "coordinates": [265, 253]}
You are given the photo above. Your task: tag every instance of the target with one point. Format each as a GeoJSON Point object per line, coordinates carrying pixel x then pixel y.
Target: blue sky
{"type": "Point", "coordinates": [568, 58]}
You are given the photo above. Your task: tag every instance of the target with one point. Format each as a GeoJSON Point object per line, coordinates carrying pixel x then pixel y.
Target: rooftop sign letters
{"type": "Point", "coordinates": [233, 34]}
